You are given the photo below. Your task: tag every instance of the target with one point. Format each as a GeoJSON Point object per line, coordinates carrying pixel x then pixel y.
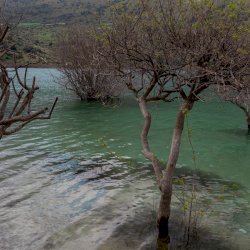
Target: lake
{"type": "Point", "coordinates": [79, 180]}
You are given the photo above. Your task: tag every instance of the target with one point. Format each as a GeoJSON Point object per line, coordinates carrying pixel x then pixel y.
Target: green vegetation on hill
{"type": "Point", "coordinates": [57, 11]}
{"type": "Point", "coordinates": [41, 20]}
{"type": "Point", "coordinates": [33, 42]}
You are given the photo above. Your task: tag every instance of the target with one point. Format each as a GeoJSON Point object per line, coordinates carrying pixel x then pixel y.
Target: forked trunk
{"type": "Point", "coordinates": [164, 178]}
{"type": "Point", "coordinates": [166, 181]}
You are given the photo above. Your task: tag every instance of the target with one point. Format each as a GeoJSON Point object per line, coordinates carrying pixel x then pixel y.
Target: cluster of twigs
{"type": "Point", "coordinates": [16, 94]}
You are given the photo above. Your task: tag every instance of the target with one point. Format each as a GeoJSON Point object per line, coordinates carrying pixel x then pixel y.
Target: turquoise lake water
{"type": "Point", "coordinates": [79, 180]}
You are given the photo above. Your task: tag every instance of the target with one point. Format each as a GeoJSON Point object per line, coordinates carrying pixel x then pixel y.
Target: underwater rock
{"type": "Point", "coordinates": [242, 231]}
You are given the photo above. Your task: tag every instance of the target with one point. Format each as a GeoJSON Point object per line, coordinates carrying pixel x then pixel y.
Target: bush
{"type": "Point", "coordinates": [84, 71]}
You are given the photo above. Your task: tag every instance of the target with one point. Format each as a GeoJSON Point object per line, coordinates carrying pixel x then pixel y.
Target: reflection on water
{"type": "Point", "coordinates": [79, 181]}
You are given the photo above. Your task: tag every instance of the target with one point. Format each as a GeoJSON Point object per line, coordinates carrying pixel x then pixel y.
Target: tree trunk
{"type": "Point", "coordinates": [144, 140]}
{"type": "Point", "coordinates": [166, 181]}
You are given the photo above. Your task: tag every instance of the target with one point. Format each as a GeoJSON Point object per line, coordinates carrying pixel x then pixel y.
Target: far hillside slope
{"type": "Point", "coordinates": [40, 21]}
{"type": "Point", "coordinates": [57, 11]}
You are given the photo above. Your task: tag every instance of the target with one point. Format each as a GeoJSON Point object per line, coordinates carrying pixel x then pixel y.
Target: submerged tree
{"type": "Point", "coordinates": [83, 70]}
{"type": "Point", "coordinates": [16, 95]}
{"type": "Point", "coordinates": [179, 49]}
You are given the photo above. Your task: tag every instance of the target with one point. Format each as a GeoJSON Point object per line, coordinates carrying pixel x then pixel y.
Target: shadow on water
{"type": "Point", "coordinates": [96, 169]}
{"type": "Point", "coordinates": [236, 132]}
{"type": "Point", "coordinates": [205, 179]}
{"type": "Point", "coordinates": [125, 223]}
{"type": "Point", "coordinates": [140, 232]}
{"type": "Point", "coordinates": [115, 168]}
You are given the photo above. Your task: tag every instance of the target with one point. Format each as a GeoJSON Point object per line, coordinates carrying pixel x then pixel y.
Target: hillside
{"type": "Point", "coordinates": [56, 11]}
{"type": "Point", "coordinates": [41, 20]}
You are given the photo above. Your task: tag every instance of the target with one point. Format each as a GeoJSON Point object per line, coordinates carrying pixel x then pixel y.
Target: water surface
{"type": "Point", "coordinates": [79, 181]}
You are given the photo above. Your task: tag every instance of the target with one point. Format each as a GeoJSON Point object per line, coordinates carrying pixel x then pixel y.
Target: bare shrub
{"type": "Point", "coordinates": [16, 94]}
{"type": "Point", "coordinates": [83, 70]}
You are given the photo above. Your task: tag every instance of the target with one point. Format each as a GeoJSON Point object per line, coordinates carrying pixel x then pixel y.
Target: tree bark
{"type": "Point", "coordinates": [166, 180]}
{"type": "Point", "coordinates": [144, 140]}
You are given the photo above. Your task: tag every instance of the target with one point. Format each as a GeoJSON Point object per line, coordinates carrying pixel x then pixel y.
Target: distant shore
{"type": "Point", "coordinates": [33, 65]}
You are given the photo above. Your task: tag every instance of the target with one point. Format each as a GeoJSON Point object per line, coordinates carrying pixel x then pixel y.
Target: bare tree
{"type": "Point", "coordinates": [180, 49]}
{"type": "Point", "coordinates": [83, 70]}
{"type": "Point", "coordinates": [16, 95]}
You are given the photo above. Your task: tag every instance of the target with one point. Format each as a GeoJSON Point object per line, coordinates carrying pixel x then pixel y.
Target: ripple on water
{"type": "Point", "coordinates": [80, 179]}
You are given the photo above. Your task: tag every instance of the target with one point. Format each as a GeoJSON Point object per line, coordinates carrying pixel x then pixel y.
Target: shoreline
{"type": "Point", "coordinates": [33, 65]}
